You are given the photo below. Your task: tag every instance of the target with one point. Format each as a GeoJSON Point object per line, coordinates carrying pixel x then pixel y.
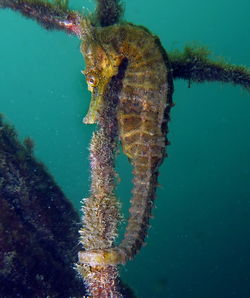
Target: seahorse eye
{"type": "Point", "coordinates": [92, 80]}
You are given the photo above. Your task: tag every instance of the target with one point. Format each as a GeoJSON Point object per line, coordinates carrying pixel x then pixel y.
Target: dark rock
{"type": "Point", "coordinates": [38, 227]}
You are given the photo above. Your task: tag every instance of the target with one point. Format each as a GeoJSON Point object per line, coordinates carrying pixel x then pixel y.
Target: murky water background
{"type": "Point", "coordinates": [198, 246]}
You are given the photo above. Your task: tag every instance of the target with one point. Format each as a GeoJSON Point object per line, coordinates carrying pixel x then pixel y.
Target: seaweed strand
{"type": "Point", "coordinates": [51, 16]}
{"type": "Point", "coordinates": [193, 64]}
{"type": "Point", "coordinates": [108, 12]}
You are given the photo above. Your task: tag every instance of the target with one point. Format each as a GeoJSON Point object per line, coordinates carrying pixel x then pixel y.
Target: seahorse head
{"type": "Point", "coordinates": [102, 64]}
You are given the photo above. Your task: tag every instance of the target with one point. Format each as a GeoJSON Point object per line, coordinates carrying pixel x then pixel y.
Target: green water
{"type": "Point", "coordinates": [198, 246]}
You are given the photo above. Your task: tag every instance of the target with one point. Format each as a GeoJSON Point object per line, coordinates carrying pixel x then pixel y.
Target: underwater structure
{"type": "Point", "coordinates": [38, 226]}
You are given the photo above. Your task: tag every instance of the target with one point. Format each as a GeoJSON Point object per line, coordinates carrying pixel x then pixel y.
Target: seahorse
{"type": "Point", "coordinates": [145, 100]}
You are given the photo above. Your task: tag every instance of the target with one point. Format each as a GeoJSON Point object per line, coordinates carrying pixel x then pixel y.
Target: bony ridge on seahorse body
{"type": "Point", "coordinates": [145, 100]}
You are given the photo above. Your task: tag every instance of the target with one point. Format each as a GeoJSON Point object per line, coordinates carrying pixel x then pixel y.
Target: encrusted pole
{"type": "Point", "coordinates": [101, 210]}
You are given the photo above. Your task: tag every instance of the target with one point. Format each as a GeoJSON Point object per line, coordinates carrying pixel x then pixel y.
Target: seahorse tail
{"type": "Point", "coordinates": [140, 213]}
{"type": "Point", "coordinates": [136, 230]}
{"type": "Point", "coordinates": [103, 257]}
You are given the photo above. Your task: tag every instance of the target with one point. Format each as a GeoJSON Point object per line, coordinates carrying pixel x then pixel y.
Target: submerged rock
{"type": "Point", "coordinates": [38, 227]}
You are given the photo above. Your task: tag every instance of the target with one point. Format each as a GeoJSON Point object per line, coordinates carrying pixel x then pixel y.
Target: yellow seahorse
{"type": "Point", "coordinates": [145, 100]}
